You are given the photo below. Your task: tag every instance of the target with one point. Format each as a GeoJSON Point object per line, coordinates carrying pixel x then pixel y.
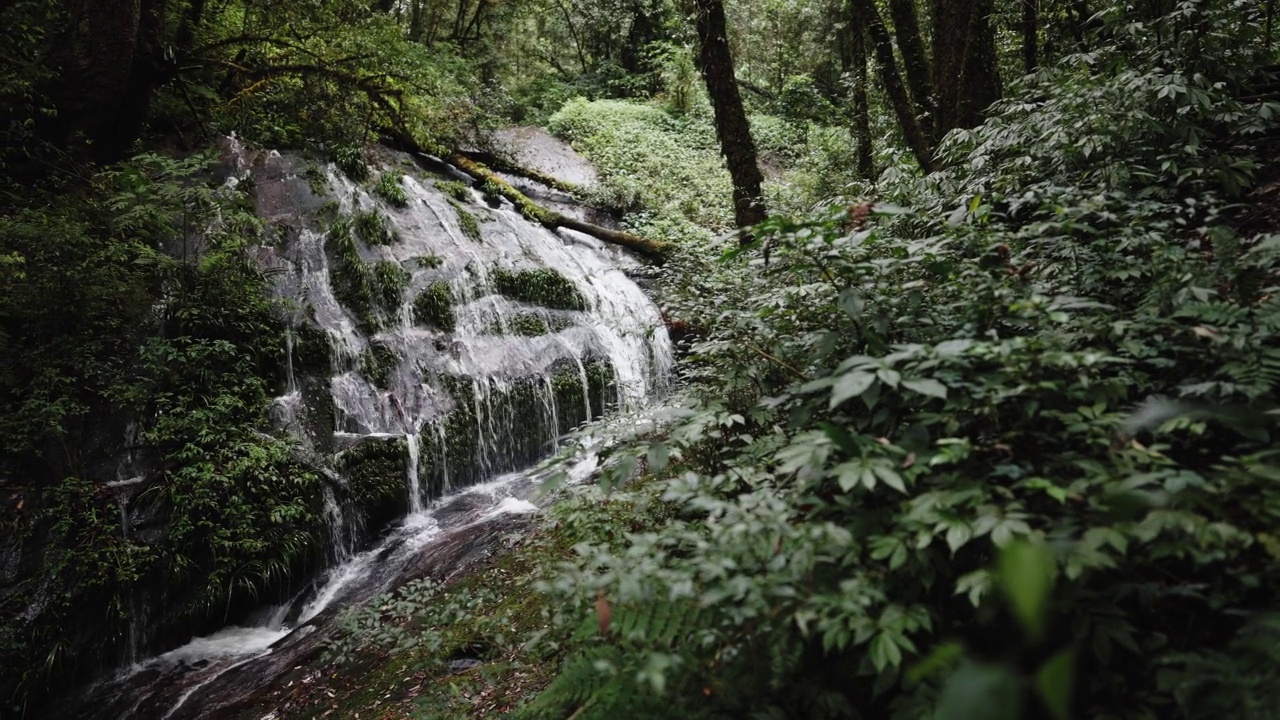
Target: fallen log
{"type": "Point", "coordinates": [552, 220]}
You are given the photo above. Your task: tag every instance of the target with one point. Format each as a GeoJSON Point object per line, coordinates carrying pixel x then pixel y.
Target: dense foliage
{"type": "Point", "coordinates": [980, 424]}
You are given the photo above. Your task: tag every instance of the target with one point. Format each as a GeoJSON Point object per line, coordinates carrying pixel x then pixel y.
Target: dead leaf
{"type": "Point", "coordinates": [603, 612]}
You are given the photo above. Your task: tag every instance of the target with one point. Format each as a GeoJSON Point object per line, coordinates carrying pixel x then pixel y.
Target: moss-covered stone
{"type": "Point", "coordinates": [430, 261]}
{"type": "Point", "coordinates": [378, 363]}
{"type": "Point", "coordinates": [372, 228]}
{"type": "Point", "coordinates": [312, 348]}
{"type": "Point", "coordinates": [457, 191]}
{"type": "Point", "coordinates": [390, 187]}
{"type": "Point", "coordinates": [434, 307]}
{"type": "Point", "coordinates": [544, 286]}
{"type": "Point", "coordinates": [467, 222]}
{"type": "Point", "coordinates": [529, 325]}
{"type": "Point", "coordinates": [371, 291]}
{"type": "Point", "coordinates": [316, 180]}
{"type": "Point", "coordinates": [375, 474]}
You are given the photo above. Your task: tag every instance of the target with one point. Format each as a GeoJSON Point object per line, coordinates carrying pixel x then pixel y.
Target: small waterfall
{"type": "Point", "coordinates": [414, 447]}
{"type": "Point", "coordinates": [473, 397]}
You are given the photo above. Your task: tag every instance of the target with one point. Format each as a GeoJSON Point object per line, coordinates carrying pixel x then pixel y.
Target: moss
{"type": "Point", "coordinates": [390, 187]}
{"type": "Point", "coordinates": [378, 363]}
{"type": "Point", "coordinates": [427, 261]}
{"type": "Point", "coordinates": [316, 180]}
{"type": "Point", "coordinates": [602, 386]}
{"type": "Point", "coordinates": [467, 222]}
{"type": "Point", "coordinates": [350, 160]}
{"type": "Point", "coordinates": [529, 325]}
{"type": "Point", "coordinates": [434, 307]}
{"type": "Point", "coordinates": [371, 291]}
{"type": "Point", "coordinates": [374, 470]}
{"type": "Point", "coordinates": [545, 287]}
{"type": "Point", "coordinates": [457, 191]}
{"type": "Point", "coordinates": [312, 348]}
{"type": "Point", "coordinates": [329, 210]}
{"type": "Point", "coordinates": [372, 228]}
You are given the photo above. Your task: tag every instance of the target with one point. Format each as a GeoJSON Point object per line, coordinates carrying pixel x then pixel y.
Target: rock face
{"type": "Point", "coordinates": [538, 149]}
{"type": "Point", "coordinates": [436, 345]}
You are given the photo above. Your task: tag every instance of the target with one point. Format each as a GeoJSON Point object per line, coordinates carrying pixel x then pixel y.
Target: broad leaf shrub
{"type": "Point", "coordinates": [1000, 449]}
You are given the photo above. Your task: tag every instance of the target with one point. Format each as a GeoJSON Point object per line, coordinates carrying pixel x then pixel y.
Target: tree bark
{"type": "Point", "coordinates": [109, 60]}
{"type": "Point", "coordinates": [866, 15]}
{"type": "Point", "coordinates": [906, 27]}
{"type": "Point", "coordinates": [732, 128]}
{"type": "Point", "coordinates": [853, 61]}
{"type": "Point", "coordinates": [1030, 29]}
{"type": "Point", "coordinates": [966, 76]}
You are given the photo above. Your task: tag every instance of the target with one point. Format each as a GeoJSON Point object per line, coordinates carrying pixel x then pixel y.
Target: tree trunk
{"type": "Point", "coordinates": [853, 61]}
{"type": "Point", "coordinates": [1030, 28]}
{"type": "Point", "coordinates": [866, 15]}
{"type": "Point", "coordinates": [109, 60]}
{"type": "Point", "coordinates": [906, 27]}
{"type": "Point", "coordinates": [965, 74]}
{"type": "Point", "coordinates": [732, 127]}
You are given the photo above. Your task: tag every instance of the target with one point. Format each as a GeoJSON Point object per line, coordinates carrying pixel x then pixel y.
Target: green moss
{"type": "Point", "coordinates": [316, 180]}
{"type": "Point", "coordinates": [390, 187]}
{"type": "Point", "coordinates": [529, 325]}
{"type": "Point", "coordinates": [371, 291]}
{"type": "Point", "coordinates": [545, 287]}
{"type": "Point", "coordinates": [374, 470]}
{"type": "Point", "coordinates": [467, 222]}
{"type": "Point", "coordinates": [427, 261]}
{"type": "Point", "coordinates": [434, 307]}
{"type": "Point", "coordinates": [312, 348]}
{"type": "Point", "coordinates": [377, 363]}
{"type": "Point", "coordinates": [457, 191]}
{"type": "Point", "coordinates": [372, 228]}
{"type": "Point", "coordinates": [350, 160]}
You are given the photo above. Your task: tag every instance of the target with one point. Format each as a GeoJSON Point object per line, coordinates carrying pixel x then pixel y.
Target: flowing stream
{"type": "Point", "coordinates": [467, 409]}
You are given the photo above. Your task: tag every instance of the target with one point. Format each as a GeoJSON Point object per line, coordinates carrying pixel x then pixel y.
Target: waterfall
{"type": "Point", "coordinates": [463, 404]}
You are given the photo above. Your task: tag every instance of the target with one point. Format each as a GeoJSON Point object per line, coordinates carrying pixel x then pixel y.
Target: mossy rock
{"type": "Point", "coordinates": [312, 348]}
{"type": "Point", "coordinates": [456, 191]}
{"type": "Point", "coordinates": [371, 291]}
{"type": "Point", "coordinates": [373, 229]}
{"type": "Point", "coordinates": [467, 222]}
{"type": "Point", "coordinates": [434, 307]}
{"type": "Point", "coordinates": [544, 286]}
{"type": "Point", "coordinates": [529, 325]}
{"type": "Point", "coordinates": [375, 474]}
{"type": "Point", "coordinates": [390, 187]}
{"type": "Point", "coordinates": [378, 363]}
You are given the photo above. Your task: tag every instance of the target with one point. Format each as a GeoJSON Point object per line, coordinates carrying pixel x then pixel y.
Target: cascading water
{"type": "Point", "coordinates": [485, 351]}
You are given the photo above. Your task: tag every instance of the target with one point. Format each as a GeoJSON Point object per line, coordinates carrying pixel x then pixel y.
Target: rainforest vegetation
{"type": "Point", "coordinates": [978, 316]}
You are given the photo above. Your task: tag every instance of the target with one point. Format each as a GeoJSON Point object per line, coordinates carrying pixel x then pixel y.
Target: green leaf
{"type": "Point", "coordinates": [926, 386]}
{"type": "Point", "coordinates": [850, 385]}
{"type": "Point", "coordinates": [980, 691]}
{"type": "Point", "coordinates": [657, 457]}
{"type": "Point", "coordinates": [1026, 573]}
{"type": "Point", "coordinates": [1054, 681]}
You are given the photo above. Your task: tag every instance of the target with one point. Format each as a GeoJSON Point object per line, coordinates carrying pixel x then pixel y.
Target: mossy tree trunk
{"type": "Point", "coordinates": [733, 130]}
{"type": "Point", "coordinates": [906, 28]}
{"type": "Point", "coordinates": [1030, 27]}
{"type": "Point", "coordinates": [965, 74]}
{"type": "Point", "coordinates": [853, 61]}
{"type": "Point", "coordinates": [108, 61]}
{"type": "Point", "coordinates": [553, 220]}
